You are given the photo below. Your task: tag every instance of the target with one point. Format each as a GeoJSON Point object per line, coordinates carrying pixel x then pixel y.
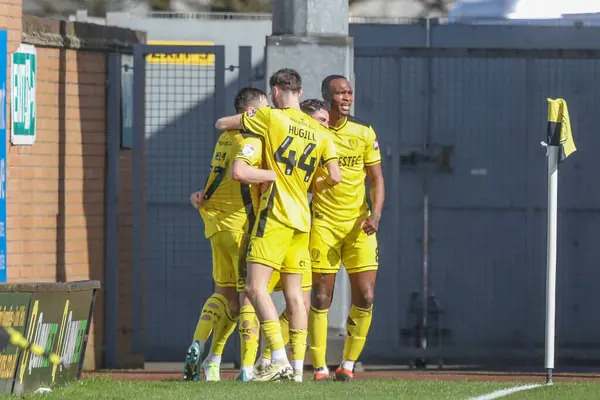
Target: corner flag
{"type": "Point", "coordinates": [559, 128]}
{"type": "Point", "coordinates": [559, 146]}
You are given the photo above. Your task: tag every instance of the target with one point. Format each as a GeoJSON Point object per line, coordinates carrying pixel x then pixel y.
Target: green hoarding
{"type": "Point", "coordinates": [14, 308]}
{"type": "Point", "coordinates": [56, 316]}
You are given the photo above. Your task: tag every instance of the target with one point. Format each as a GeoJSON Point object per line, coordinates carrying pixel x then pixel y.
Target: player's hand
{"type": "Point", "coordinates": [265, 186]}
{"type": "Point", "coordinates": [320, 184]}
{"type": "Point", "coordinates": [196, 199]}
{"type": "Point", "coordinates": [371, 224]}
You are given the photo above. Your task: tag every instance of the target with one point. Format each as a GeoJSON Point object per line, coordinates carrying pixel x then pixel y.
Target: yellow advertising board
{"type": "Point", "coordinates": [180, 58]}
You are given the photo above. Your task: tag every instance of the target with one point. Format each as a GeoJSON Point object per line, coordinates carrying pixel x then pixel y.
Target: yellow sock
{"type": "Point", "coordinates": [317, 331]}
{"type": "Point", "coordinates": [284, 321]}
{"type": "Point", "coordinates": [211, 313]}
{"type": "Point", "coordinates": [298, 347]}
{"type": "Point", "coordinates": [358, 324]}
{"type": "Point", "coordinates": [248, 330]}
{"type": "Point", "coordinates": [272, 333]}
{"type": "Point", "coordinates": [223, 329]}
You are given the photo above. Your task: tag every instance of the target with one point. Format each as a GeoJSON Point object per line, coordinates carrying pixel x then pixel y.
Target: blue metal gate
{"type": "Point", "coordinates": [464, 225]}
{"type": "Point", "coordinates": [179, 93]}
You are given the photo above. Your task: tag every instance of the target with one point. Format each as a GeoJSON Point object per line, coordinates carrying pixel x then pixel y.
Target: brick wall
{"type": "Point", "coordinates": [56, 187]}
{"type": "Point", "coordinates": [10, 19]}
{"type": "Point", "coordinates": [55, 202]}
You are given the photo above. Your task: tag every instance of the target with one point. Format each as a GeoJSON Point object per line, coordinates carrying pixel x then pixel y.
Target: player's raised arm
{"type": "Point", "coordinates": [229, 123]}
{"type": "Point", "coordinates": [375, 175]}
{"type": "Point", "coordinates": [249, 154]}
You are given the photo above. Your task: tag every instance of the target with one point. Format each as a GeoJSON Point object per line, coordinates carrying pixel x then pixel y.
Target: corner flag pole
{"type": "Point", "coordinates": [553, 152]}
{"type": "Point", "coordinates": [559, 146]}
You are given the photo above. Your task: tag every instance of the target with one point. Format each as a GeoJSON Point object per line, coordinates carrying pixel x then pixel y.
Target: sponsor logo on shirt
{"type": "Point", "coordinates": [248, 150]}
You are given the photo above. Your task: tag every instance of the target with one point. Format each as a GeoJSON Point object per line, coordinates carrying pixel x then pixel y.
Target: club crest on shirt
{"type": "Point", "coordinates": [251, 113]}
{"type": "Point", "coordinates": [376, 145]}
{"type": "Point", "coordinates": [248, 150]}
{"type": "Point", "coordinates": [315, 255]}
{"type": "Point", "coordinates": [353, 143]}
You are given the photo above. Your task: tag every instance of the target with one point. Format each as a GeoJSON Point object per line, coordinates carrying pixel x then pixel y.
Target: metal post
{"type": "Point", "coordinates": [245, 66]}
{"type": "Point", "coordinates": [111, 229]}
{"type": "Point", "coordinates": [426, 202]}
{"type": "Point", "coordinates": [553, 153]}
{"type": "Point", "coordinates": [139, 119]}
{"type": "Point", "coordinates": [220, 106]}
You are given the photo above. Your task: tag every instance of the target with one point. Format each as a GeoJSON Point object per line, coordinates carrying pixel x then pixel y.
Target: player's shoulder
{"type": "Point", "coordinates": [358, 127]}
{"type": "Point", "coordinates": [243, 134]}
{"type": "Point", "coordinates": [323, 133]}
{"type": "Point", "coordinates": [266, 110]}
{"type": "Point", "coordinates": [358, 123]}
{"type": "Point", "coordinates": [227, 137]}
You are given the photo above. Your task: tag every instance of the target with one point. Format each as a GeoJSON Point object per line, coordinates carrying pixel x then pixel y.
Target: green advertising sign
{"type": "Point", "coordinates": [14, 308]}
{"type": "Point", "coordinates": [58, 322]}
{"type": "Point", "coordinates": [23, 90]}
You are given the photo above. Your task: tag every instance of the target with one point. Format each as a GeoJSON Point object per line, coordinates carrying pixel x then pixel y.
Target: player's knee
{"type": "Point", "coordinates": [234, 307]}
{"type": "Point", "coordinates": [252, 292]}
{"type": "Point", "coordinates": [367, 295]}
{"type": "Point", "coordinates": [294, 303]}
{"type": "Point", "coordinates": [321, 300]}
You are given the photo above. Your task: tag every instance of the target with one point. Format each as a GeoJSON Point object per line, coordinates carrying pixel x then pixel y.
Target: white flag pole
{"type": "Point", "coordinates": [553, 154]}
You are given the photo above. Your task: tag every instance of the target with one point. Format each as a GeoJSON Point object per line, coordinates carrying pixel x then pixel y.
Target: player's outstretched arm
{"type": "Point", "coordinates": [242, 172]}
{"type": "Point", "coordinates": [375, 174]}
{"type": "Point", "coordinates": [229, 123]}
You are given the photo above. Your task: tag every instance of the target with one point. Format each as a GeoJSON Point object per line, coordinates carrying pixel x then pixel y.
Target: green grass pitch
{"type": "Point", "coordinates": [106, 388]}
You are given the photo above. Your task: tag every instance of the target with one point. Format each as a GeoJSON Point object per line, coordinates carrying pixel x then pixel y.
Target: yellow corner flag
{"type": "Point", "coordinates": [559, 128]}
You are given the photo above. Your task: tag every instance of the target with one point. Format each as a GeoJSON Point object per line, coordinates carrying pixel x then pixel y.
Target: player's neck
{"type": "Point", "coordinates": [290, 103]}
{"type": "Point", "coordinates": [335, 119]}
{"type": "Point", "coordinates": [290, 100]}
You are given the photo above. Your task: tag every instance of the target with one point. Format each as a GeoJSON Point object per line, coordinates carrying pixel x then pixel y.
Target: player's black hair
{"type": "Point", "coordinates": [246, 96]}
{"type": "Point", "coordinates": [286, 79]}
{"type": "Point", "coordinates": [311, 106]}
{"type": "Point", "coordinates": [326, 86]}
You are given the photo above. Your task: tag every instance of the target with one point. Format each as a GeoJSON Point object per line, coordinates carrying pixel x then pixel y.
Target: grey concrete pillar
{"type": "Point", "coordinates": [310, 36]}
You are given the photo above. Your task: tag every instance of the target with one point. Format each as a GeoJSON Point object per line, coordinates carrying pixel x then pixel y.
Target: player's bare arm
{"type": "Point", "coordinates": [242, 172]}
{"type": "Point", "coordinates": [325, 182]}
{"type": "Point", "coordinates": [335, 174]}
{"type": "Point", "coordinates": [229, 123]}
{"type": "Point", "coordinates": [375, 175]}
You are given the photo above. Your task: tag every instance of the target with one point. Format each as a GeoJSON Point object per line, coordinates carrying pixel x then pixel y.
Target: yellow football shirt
{"type": "Point", "coordinates": [357, 148]}
{"type": "Point", "coordinates": [294, 146]}
{"type": "Point", "coordinates": [228, 204]}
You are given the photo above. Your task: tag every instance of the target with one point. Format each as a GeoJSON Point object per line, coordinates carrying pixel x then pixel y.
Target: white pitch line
{"type": "Point", "coordinates": [505, 392]}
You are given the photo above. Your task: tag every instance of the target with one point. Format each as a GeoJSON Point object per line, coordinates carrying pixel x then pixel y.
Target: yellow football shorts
{"type": "Point", "coordinates": [280, 247]}
{"type": "Point", "coordinates": [275, 284]}
{"type": "Point", "coordinates": [345, 242]}
{"type": "Point", "coordinates": [228, 250]}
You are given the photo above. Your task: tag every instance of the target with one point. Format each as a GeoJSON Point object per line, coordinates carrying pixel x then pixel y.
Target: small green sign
{"type": "Point", "coordinates": [23, 103]}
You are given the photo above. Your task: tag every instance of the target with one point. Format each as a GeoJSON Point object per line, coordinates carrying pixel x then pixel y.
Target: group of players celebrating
{"type": "Point", "coordinates": [267, 234]}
